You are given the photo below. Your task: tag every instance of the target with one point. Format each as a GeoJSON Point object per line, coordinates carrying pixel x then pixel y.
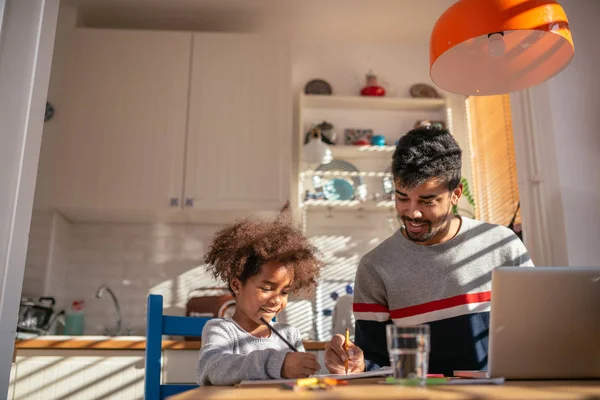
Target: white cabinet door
{"type": "Point", "coordinates": [79, 374]}
{"type": "Point", "coordinates": [240, 123]}
{"type": "Point", "coordinates": [122, 119]}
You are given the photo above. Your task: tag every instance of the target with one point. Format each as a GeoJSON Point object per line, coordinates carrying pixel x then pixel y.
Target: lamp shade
{"type": "Point", "coordinates": [487, 47]}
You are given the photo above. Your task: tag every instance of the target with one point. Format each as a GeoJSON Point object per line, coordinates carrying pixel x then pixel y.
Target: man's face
{"type": "Point", "coordinates": [426, 209]}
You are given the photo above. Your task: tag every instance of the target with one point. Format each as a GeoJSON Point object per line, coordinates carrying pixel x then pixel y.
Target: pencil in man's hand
{"type": "Point", "coordinates": [346, 347]}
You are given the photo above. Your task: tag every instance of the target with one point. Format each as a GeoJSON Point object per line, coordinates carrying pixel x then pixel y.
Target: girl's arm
{"type": "Point", "coordinates": [217, 365]}
{"type": "Point", "coordinates": [298, 340]}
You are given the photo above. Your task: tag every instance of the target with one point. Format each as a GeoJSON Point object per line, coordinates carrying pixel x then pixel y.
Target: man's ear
{"type": "Point", "coordinates": [456, 194]}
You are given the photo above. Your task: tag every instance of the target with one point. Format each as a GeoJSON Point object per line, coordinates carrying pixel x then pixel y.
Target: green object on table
{"type": "Point", "coordinates": [415, 382]}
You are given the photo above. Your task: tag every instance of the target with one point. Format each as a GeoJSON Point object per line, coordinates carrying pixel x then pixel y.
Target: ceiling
{"type": "Point", "coordinates": [392, 21]}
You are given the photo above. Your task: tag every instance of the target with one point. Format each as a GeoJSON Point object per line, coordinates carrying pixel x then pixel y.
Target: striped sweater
{"type": "Point", "coordinates": [447, 286]}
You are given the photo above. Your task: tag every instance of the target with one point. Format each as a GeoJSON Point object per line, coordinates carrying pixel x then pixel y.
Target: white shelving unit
{"type": "Point", "coordinates": [385, 114]}
{"type": "Point", "coordinates": [360, 221]}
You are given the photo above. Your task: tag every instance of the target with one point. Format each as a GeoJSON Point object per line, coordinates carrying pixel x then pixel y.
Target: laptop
{"type": "Point", "coordinates": [544, 324]}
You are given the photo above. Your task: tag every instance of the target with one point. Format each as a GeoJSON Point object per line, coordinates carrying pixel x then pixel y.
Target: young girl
{"type": "Point", "coordinates": [263, 262]}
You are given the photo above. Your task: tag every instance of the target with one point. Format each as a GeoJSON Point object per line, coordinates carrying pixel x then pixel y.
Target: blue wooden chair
{"type": "Point", "coordinates": [158, 325]}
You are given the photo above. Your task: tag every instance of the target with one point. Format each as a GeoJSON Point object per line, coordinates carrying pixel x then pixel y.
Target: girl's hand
{"type": "Point", "coordinates": [299, 365]}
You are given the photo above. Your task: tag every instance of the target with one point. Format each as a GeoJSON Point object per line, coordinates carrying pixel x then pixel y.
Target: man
{"type": "Point", "coordinates": [435, 270]}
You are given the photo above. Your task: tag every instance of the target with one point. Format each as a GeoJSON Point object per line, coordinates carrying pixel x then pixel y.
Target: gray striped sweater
{"type": "Point", "coordinates": [447, 286]}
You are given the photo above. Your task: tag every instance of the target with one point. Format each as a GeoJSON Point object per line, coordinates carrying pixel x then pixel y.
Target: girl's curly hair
{"type": "Point", "coordinates": [239, 251]}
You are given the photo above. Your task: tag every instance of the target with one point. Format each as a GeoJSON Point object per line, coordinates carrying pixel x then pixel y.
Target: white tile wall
{"type": "Point", "coordinates": [38, 253]}
{"type": "Point", "coordinates": [135, 260]}
{"type": "Point", "coordinates": [70, 261]}
{"type": "Point", "coordinates": [58, 262]}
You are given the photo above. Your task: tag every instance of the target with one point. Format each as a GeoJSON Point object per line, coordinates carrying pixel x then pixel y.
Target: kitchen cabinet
{"type": "Point", "coordinates": [166, 123]}
{"type": "Point", "coordinates": [179, 366]}
{"type": "Point", "coordinates": [240, 122]}
{"type": "Point", "coordinates": [78, 374]}
{"type": "Point", "coordinates": [122, 119]}
{"type": "Point", "coordinates": [90, 374]}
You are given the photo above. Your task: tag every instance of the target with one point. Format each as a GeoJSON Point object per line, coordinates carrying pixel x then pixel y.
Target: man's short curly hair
{"type": "Point", "coordinates": [239, 251]}
{"type": "Point", "coordinates": [425, 153]}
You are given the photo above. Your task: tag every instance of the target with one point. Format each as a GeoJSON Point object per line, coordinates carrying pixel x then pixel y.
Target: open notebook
{"type": "Point", "coordinates": [385, 371]}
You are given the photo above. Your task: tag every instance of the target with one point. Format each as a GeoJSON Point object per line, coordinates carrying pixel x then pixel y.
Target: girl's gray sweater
{"type": "Point", "coordinates": [229, 354]}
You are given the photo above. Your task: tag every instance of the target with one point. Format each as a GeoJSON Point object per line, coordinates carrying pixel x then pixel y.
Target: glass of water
{"type": "Point", "coordinates": [408, 347]}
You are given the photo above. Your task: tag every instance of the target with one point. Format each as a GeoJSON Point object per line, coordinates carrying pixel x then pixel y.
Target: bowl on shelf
{"type": "Point", "coordinates": [378, 140]}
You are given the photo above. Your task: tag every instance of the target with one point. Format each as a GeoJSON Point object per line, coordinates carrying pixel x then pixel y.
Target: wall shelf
{"type": "Point", "coordinates": [308, 173]}
{"type": "Point", "coordinates": [349, 204]}
{"type": "Point", "coordinates": [372, 103]}
{"type": "Point", "coordinates": [342, 152]}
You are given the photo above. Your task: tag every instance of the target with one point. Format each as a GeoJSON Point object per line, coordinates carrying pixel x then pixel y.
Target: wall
{"type": "Point", "coordinates": [67, 20]}
{"type": "Point", "coordinates": [567, 142]}
{"type": "Point", "coordinates": [575, 103]}
{"type": "Point", "coordinates": [38, 254]}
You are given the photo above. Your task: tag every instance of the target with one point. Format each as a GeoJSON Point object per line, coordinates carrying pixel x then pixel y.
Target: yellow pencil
{"type": "Point", "coordinates": [346, 347]}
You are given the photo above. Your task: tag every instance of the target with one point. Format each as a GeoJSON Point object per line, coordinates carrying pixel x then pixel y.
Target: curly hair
{"type": "Point", "coordinates": [239, 251]}
{"type": "Point", "coordinates": [425, 153]}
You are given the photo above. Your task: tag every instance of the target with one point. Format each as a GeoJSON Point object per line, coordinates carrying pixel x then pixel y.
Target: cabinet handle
{"type": "Point", "coordinates": [174, 202]}
{"type": "Point", "coordinates": [189, 202]}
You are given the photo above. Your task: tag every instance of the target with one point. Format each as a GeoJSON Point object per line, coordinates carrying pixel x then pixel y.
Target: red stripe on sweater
{"type": "Point", "coordinates": [440, 304]}
{"type": "Point", "coordinates": [366, 307]}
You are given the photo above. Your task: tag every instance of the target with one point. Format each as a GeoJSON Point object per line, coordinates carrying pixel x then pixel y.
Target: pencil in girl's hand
{"type": "Point", "coordinates": [346, 347]}
{"type": "Point", "coordinates": [278, 334]}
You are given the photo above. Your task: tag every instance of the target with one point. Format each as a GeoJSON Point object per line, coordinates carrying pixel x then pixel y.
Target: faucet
{"type": "Point", "coordinates": [99, 293]}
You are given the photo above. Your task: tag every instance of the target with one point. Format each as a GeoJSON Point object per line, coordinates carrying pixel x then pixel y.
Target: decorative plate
{"type": "Point", "coordinates": [337, 190]}
{"type": "Point", "coordinates": [422, 90]}
{"type": "Point", "coordinates": [317, 86]}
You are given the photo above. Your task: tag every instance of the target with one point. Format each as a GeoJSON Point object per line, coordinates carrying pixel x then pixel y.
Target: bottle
{"type": "Point", "coordinates": [74, 319]}
{"type": "Point", "coordinates": [372, 87]}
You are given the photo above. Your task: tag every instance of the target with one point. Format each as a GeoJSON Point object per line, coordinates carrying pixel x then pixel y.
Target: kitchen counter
{"type": "Point", "coordinates": [53, 367]}
{"type": "Point", "coordinates": [118, 343]}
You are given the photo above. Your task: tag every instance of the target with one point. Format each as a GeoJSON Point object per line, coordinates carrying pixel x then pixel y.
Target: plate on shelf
{"type": "Point", "coordinates": [333, 188]}
{"type": "Point", "coordinates": [338, 189]}
{"type": "Point", "coordinates": [423, 91]}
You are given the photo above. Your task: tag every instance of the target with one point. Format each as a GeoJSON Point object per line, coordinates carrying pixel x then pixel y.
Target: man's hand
{"type": "Point", "coordinates": [299, 365]}
{"type": "Point", "coordinates": [335, 355]}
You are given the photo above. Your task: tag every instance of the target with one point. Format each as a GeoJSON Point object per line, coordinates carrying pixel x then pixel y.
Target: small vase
{"type": "Point", "coordinates": [372, 88]}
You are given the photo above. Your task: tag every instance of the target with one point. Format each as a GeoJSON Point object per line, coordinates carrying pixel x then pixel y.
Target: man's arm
{"type": "Point", "coordinates": [520, 256]}
{"type": "Point", "coordinates": [372, 314]}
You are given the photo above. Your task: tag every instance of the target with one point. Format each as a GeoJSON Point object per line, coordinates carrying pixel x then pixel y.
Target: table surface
{"type": "Point", "coordinates": [522, 390]}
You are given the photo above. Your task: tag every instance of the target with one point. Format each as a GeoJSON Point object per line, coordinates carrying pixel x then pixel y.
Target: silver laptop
{"type": "Point", "coordinates": [544, 324]}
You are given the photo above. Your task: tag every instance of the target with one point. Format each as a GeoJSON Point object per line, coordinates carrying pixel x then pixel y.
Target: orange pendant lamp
{"type": "Point", "coordinates": [487, 47]}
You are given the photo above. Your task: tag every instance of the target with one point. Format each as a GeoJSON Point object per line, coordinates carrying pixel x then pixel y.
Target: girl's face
{"type": "Point", "coordinates": [263, 295]}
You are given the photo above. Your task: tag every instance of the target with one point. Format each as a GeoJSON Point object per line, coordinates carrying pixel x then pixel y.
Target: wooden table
{"type": "Point", "coordinates": [521, 390]}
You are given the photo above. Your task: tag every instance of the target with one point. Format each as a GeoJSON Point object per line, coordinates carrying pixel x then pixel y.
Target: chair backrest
{"type": "Point", "coordinates": [158, 325]}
